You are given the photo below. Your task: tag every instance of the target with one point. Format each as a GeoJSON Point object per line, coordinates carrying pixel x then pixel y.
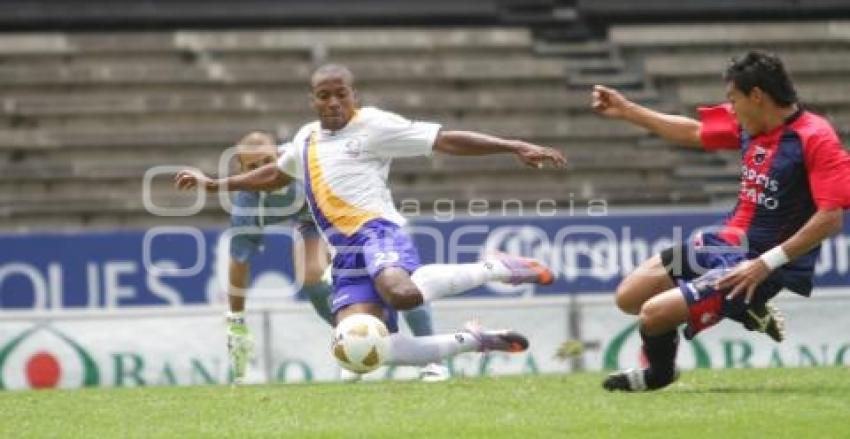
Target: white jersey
{"type": "Point", "coordinates": [345, 172]}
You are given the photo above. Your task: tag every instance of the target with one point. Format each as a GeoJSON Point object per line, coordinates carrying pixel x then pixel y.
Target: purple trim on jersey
{"type": "Point", "coordinates": [321, 220]}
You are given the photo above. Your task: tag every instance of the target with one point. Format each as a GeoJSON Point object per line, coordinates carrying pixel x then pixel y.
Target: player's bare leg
{"type": "Point", "coordinates": [659, 319]}
{"type": "Point", "coordinates": [429, 282]}
{"type": "Point", "coordinates": [648, 280]}
{"type": "Point", "coordinates": [397, 281]}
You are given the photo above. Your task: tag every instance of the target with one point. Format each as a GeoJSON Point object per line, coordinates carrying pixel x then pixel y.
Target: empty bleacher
{"type": "Point", "coordinates": [684, 62]}
{"type": "Point", "coordinates": [83, 116]}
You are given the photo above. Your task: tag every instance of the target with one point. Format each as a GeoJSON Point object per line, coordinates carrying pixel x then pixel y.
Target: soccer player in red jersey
{"type": "Point", "coordinates": [795, 184]}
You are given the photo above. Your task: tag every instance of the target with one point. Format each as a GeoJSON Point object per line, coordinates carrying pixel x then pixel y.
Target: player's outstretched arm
{"type": "Point", "coordinates": [677, 129]}
{"type": "Point", "coordinates": [470, 143]}
{"type": "Point", "coordinates": [748, 275]}
{"type": "Point", "coordinates": [264, 178]}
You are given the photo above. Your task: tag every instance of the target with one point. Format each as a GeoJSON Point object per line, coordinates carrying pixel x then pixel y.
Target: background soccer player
{"type": "Point", "coordinates": [343, 159]}
{"type": "Point", "coordinates": [795, 184]}
{"type": "Point", "coordinates": [255, 210]}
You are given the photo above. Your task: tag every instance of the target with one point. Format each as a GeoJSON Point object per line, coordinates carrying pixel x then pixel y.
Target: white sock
{"type": "Point", "coordinates": [419, 351]}
{"type": "Point", "coordinates": [440, 280]}
{"type": "Point", "coordinates": [235, 316]}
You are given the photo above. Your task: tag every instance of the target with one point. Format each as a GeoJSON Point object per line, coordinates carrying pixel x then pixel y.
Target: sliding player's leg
{"type": "Point", "coordinates": [650, 291]}
{"type": "Point", "coordinates": [658, 324]}
{"type": "Point", "coordinates": [696, 302]}
{"type": "Point", "coordinates": [647, 280]}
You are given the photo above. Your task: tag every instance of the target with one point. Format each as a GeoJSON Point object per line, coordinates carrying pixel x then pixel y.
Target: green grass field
{"type": "Point", "coordinates": [810, 403]}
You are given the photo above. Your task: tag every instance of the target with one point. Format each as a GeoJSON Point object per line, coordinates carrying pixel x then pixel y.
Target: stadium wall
{"type": "Point", "coordinates": [144, 308]}
{"type": "Point", "coordinates": [185, 346]}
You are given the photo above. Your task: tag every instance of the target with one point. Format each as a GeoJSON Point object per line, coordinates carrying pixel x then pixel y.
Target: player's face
{"type": "Point", "coordinates": [334, 100]}
{"type": "Point", "coordinates": [257, 157]}
{"type": "Point", "coordinates": [747, 108]}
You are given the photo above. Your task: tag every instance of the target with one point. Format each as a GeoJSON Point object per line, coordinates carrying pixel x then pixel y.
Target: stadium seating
{"type": "Point", "coordinates": [83, 116]}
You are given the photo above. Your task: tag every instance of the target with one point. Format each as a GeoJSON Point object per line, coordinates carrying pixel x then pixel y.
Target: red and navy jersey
{"type": "Point", "coordinates": [787, 174]}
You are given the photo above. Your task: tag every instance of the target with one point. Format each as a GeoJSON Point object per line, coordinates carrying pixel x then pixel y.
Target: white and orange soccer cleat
{"type": "Point", "coordinates": [525, 270]}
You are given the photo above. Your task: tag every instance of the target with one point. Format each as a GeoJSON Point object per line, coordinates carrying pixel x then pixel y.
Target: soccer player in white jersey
{"type": "Point", "coordinates": [252, 213]}
{"type": "Point", "coordinates": [343, 160]}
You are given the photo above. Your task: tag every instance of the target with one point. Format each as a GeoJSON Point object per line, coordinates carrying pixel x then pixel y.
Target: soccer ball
{"type": "Point", "coordinates": [361, 343]}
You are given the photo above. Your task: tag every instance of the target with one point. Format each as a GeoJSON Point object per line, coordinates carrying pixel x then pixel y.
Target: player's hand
{"type": "Point", "coordinates": [536, 156]}
{"type": "Point", "coordinates": [191, 178]}
{"type": "Point", "coordinates": [609, 102]}
{"type": "Point", "coordinates": [744, 278]}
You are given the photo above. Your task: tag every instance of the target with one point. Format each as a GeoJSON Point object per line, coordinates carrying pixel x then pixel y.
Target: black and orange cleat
{"type": "Point", "coordinates": [503, 340]}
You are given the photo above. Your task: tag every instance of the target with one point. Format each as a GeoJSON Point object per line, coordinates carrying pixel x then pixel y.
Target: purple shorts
{"type": "Point", "coordinates": [361, 257]}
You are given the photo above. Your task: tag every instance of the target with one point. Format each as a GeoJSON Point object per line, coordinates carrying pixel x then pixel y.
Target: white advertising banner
{"type": "Point", "coordinates": [167, 347]}
{"type": "Point", "coordinates": [818, 334]}
{"type": "Point", "coordinates": [124, 351]}
{"type": "Point", "coordinates": [187, 347]}
{"type": "Point", "coordinates": [301, 347]}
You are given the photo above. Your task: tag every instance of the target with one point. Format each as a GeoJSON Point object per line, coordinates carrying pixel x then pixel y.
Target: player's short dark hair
{"type": "Point", "coordinates": [333, 70]}
{"type": "Point", "coordinates": [765, 71]}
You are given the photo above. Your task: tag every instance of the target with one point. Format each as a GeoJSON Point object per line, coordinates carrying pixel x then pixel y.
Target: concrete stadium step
{"type": "Point", "coordinates": [70, 186]}
{"type": "Point", "coordinates": [815, 91]}
{"type": "Point", "coordinates": [401, 99]}
{"type": "Point", "coordinates": [355, 39]}
{"type": "Point", "coordinates": [708, 65]}
{"type": "Point", "coordinates": [110, 156]}
{"type": "Point", "coordinates": [579, 161]}
{"type": "Point", "coordinates": [223, 130]}
{"type": "Point", "coordinates": [740, 34]}
{"type": "Point", "coordinates": [279, 40]}
{"type": "Point", "coordinates": [722, 192]}
{"type": "Point", "coordinates": [49, 61]}
{"type": "Point", "coordinates": [730, 172]}
{"type": "Point", "coordinates": [150, 136]}
{"type": "Point", "coordinates": [181, 76]}
{"type": "Point", "coordinates": [625, 80]}
{"type": "Point", "coordinates": [581, 50]}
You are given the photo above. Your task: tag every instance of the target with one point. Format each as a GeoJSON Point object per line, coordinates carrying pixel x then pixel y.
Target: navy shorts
{"type": "Point", "coordinates": [247, 240]}
{"type": "Point", "coordinates": [696, 266]}
{"type": "Point", "coordinates": [252, 211]}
